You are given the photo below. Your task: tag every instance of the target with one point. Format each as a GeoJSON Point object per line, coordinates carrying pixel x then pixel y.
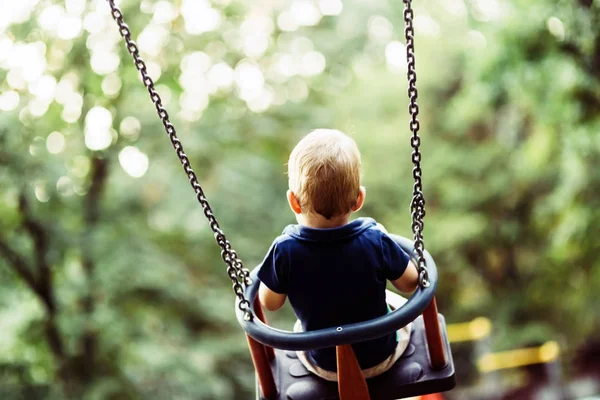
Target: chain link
{"type": "Point", "coordinates": [235, 268]}
{"type": "Point", "coordinates": [417, 205]}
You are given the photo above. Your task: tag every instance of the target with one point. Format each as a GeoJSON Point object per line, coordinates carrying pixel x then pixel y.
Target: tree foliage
{"type": "Point", "coordinates": [112, 285]}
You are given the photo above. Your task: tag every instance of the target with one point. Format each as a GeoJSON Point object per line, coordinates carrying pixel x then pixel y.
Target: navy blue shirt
{"type": "Point", "coordinates": [334, 277]}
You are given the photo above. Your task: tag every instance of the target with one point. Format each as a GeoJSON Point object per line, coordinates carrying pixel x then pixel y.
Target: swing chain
{"type": "Point", "coordinates": [417, 204]}
{"type": "Point", "coordinates": [239, 275]}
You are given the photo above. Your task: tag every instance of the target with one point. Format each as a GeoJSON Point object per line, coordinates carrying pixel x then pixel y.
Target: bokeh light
{"type": "Point", "coordinates": [133, 161]}
{"type": "Point", "coordinates": [64, 186]}
{"type": "Point", "coordinates": [79, 166]}
{"type": "Point", "coordinates": [380, 29]}
{"type": "Point", "coordinates": [55, 143]}
{"type": "Point", "coordinates": [18, 12]}
{"type": "Point", "coordinates": [200, 16]}
{"type": "Point", "coordinates": [41, 192]}
{"type": "Point", "coordinates": [221, 75]}
{"type": "Point", "coordinates": [331, 7]}
{"type": "Point", "coordinates": [98, 123]}
{"type": "Point", "coordinates": [305, 13]}
{"type": "Point", "coordinates": [395, 56]}
{"type": "Point", "coordinates": [111, 85]}
{"type": "Point", "coordinates": [9, 100]}
{"type": "Point", "coordinates": [556, 28]}
{"type": "Point", "coordinates": [130, 128]}
{"type": "Point", "coordinates": [164, 12]}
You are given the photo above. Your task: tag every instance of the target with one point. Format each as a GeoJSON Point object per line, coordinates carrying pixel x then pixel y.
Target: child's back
{"type": "Point", "coordinates": [335, 277]}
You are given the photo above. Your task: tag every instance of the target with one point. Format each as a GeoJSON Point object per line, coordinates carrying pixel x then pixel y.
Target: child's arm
{"type": "Point", "coordinates": [408, 281]}
{"type": "Point", "coordinates": [399, 269]}
{"type": "Point", "coordinates": [273, 278]}
{"type": "Point", "coordinates": [271, 300]}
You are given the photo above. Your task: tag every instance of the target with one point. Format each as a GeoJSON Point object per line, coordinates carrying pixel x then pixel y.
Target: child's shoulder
{"type": "Point", "coordinates": [373, 228]}
{"type": "Point", "coordinates": [285, 238]}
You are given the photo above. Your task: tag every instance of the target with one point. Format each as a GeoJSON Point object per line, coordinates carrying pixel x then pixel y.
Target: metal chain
{"type": "Point", "coordinates": [417, 205]}
{"type": "Point", "coordinates": [235, 268]}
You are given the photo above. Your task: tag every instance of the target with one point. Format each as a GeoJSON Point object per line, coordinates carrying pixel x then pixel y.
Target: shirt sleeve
{"type": "Point", "coordinates": [273, 271]}
{"type": "Point", "coordinates": [395, 259]}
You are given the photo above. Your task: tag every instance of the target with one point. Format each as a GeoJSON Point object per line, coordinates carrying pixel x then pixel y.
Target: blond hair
{"type": "Point", "coordinates": [324, 172]}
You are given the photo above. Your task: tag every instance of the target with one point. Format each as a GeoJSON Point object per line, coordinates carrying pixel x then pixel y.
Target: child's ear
{"type": "Point", "coordinates": [360, 200]}
{"type": "Point", "coordinates": [293, 202]}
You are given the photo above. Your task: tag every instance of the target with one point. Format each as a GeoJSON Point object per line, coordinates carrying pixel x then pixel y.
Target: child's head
{"type": "Point", "coordinates": [324, 174]}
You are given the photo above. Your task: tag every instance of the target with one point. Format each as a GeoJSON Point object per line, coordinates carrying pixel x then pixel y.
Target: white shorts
{"type": "Point", "coordinates": [395, 301]}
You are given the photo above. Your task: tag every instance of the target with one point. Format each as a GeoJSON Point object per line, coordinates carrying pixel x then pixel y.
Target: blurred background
{"type": "Point", "coordinates": [111, 284]}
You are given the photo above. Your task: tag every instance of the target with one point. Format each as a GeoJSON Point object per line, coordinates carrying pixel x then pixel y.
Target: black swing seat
{"type": "Point", "coordinates": [410, 376]}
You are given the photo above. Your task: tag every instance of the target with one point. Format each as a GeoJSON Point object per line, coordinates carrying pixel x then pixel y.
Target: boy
{"type": "Point", "coordinates": [335, 271]}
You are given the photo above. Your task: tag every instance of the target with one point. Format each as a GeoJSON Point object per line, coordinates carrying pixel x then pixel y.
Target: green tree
{"type": "Point", "coordinates": [112, 286]}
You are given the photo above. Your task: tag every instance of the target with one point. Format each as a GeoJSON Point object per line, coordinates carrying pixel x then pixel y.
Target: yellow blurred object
{"type": "Point", "coordinates": [548, 352]}
{"type": "Point", "coordinates": [476, 329]}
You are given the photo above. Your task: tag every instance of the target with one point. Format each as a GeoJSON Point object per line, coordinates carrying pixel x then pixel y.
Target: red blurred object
{"type": "Point", "coordinates": [433, 396]}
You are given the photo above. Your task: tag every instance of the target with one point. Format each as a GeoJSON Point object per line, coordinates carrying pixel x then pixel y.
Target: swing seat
{"type": "Point", "coordinates": [425, 367]}
{"type": "Point", "coordinates": [410, 376]}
